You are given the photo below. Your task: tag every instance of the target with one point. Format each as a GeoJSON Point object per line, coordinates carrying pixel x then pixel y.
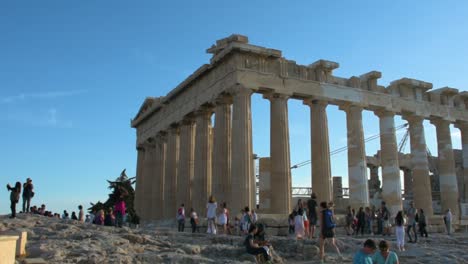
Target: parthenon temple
{"type": "Point", "coordinates": [184, 158]}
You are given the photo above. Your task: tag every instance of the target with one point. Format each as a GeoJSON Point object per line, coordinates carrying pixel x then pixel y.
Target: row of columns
{"type": "Point", "coordinates": [192, 160]}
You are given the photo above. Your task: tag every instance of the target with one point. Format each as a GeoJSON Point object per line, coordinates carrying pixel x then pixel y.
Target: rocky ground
{"type": "Point", "coordinates": [60, 241]}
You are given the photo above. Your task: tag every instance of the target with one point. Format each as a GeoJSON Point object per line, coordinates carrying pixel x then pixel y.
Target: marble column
{"type": "Point", "coordinates": [422, 195]}
{"type": "Point", "coordinates": [139, 180]}
{"type": "Point", "coordinates": [170, 179]}
{"type": "Point", "coordinates": [147, 183]}
{"type": "Point", "coordinates": [157, 185]}
{"type": "Point", "coordinates": [221, 179]}
{"type": "Point", "coordinates": [186, 162]}
{"type": "Point", "coordinates": [463, 126]}
{"type": "Point", "coordinates": [202, 168]}
{"type": "Point", "coordinates": [242, 170]}
{"type": "Point", "coordinates": [279, 154]}
{"type": "Point", "coordinates": [391, 183]}
{"type": "Point", "coordinates": [357, 169]}
{"type": "Point", "coordinates": [447, 173]}
{"type": "Point", "coordinates": [408, 179]}
{"type": "Point", "coordinates": [320, 149]}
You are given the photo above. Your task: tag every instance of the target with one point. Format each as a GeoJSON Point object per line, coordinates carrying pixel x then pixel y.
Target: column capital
{"type": "Point", "coordinates": [161, 136]}
{"type": "Point", "coordinates": [237, 90]}
{"type": "Point", "coordinates": [384, 113]}
{"type": "Point", "coordinates": [140, 147]}
{"type": "Point", "coordinates": [315, 102]}
{"type": "Point", "coordinates": [223, 99]}
{"type": "Point", "coordinates": [462, 125]}
{"type": "Point", "coordinates": [174, 128]}
{"type": "Point", "coordinates": [150, 143]}
{"type": "Point", "coordinates": [188, 120]}
{"type": "Point", "coordinates": [349, 107]}
{"type": "Point", "coordinates": [271, 96]}
{"type": "Point", "coordinates": [412, 118]}
{"type": "Point", "coordinates": [204, 111]}
{"type": "Point", "coordinates": [437, 121]}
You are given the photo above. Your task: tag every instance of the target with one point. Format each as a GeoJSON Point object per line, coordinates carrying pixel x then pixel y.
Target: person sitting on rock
{"type": "Point", "coordinates": [364, 255]}
{"type": "Point", "coordinates": [254, 248]}
{"type": "Point", "coordinates": [385, 256]}
{"type": "Point", "coordinates": [99, 218]}
{"type": "Point", "coordinates": [109, 219]}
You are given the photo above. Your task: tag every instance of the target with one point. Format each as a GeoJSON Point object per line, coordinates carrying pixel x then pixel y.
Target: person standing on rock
{"type": "Point", "coordinates": [28, 193]}
{"type": "Point", "coordinates": [223, 218]}
{"type": "Point", "coordinates": [14, 197]}
{"type": "Point", "coordinates": [448, 221]}
{"type": "Point", "coordinates": [385, 217]}
{"type": "Point", "coordinates": [81, 214]}
{"type": "Point", "coordinates": [422, 223]}
{"type": "Point", "coordinates": [312, 211]}
{"type": "Point", "coordinates": [181, 218]}
{"type": "Point", "coordinates": [361, 221]}
{"type": "Point", "coordinates": [327, 230]}
{"type": "Point", "coordinates": [411, 214]}
{"type": "Point", "coordinates": [211, 207]}
{"type": "Point", "coordinates": [400, 231]}
{"type": "Point", "coordinates": [194, 220]}
{"type": "Point", "coordinates": [120, 206]}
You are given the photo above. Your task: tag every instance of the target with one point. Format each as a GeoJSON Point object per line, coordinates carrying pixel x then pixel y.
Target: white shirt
{"type": "Point", "coordinates": [448, 216]}
{"type": "Point", "coordinates": [211, 210]}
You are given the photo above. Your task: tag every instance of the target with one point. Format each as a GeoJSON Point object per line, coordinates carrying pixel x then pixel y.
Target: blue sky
{"type": "Point", "coordinates": [73, 73]}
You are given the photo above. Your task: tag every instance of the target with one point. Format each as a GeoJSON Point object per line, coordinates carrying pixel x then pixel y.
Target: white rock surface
{"type": "Point", "coordinates": [65, 241]}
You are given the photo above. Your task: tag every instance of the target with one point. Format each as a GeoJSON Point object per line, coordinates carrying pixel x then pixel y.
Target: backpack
{"type": "Point", "coordinates": [327, 216]}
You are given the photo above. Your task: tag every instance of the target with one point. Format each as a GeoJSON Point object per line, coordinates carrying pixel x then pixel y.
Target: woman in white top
{"type": "Point", "coordinates": [223, 218]}
{"type": "Point", "coordinates": [211, 215]}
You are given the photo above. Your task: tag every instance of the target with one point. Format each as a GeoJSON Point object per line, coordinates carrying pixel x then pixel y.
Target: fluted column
{"type": "Point", "coordinates": [242, 171]}
{"type": "Point", "coordinates": [320, 149]}
{"type": "Point", "coordinates": [447, 173]}
{"type": "Point", "coordinates": [221, 179]}
{"type": "Point", "coordinates": [202, 167]}
{"type": "Point", "coordinates": [391, 183]}
{"type": "Point", "coordinates": [147, 183]}
{"type": "Point", "coordinates": [279, 154]}
{"type": "Point", "coordinates": [463, 126]}
{"type": "Point", "coordinates": [139, 180]}
{"type": "Point", "coordinates": [170, 179]}
{"type": "Point", "coordinates": [357, 169]}
{"type": "Point", "coordinates": [157, 184]}
{"type": "Point", "coordinates": [422, 192]}
{"type": "Point", "coordinates": [186, 162]}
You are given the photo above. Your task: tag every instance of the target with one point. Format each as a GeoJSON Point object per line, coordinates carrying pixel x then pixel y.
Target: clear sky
{"type": "Point", "coordinates": [73, 74]}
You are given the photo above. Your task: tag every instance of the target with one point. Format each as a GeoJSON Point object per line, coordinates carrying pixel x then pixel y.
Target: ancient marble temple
{"type": "Point", "coordinates": [183, 158]}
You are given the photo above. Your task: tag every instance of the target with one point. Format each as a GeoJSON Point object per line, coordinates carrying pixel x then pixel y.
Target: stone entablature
{"type": "Point", "coordinates": [264, 70]}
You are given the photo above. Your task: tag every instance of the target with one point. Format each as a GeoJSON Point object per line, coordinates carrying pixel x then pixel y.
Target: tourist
{"type": "Point", "coordinates": [181, 218]}
{"type": "Point", "coordinates": [411, 214]}
{"type": "Point", "coordinates": [81, 214]}
{"type": "Point", "coordinates": [312, 211]}
{"type": "Point", "coordinates": [109, 219]}
{"type": "Point", "coordinates": [291, 222]}
{"type": "Point", "coordinates": [194, 220]}
{"type": "Point", "coordinates": [42, 210]}
{"type": "Point", "coordinates": [28, 193]}
{"type": "Point", "coordinates": [14, 197]}
{"type": "Point", "coordinates": [99, 218]}
{"type": "Point", "coordinates": [372, 219]}
{"type": "Point", "coordinates": [223, 218]}
{"type": "Point", "coordinates": [385, 217]}
{"type": "Point", "coordinates": [228, 221]}
{"type": "Point", "coordinates": [422, 223]}
{"type": "Point", "coordinates": [368, 217]}
{"type": "Point", "coordinates": [88, 219]}
{"type": "Point", "coordinates": [349, 221]}
{"type": "Point", "coordinates": [211, 207]}
{"type": "Point", "coordinates": [247, 220]}
{"type": "Point", "coordinates": [379, 222]}
{"type": "Point", "coordinates": [384, 255]}
{"type": "Point", "coordinates": [327, 230]}
{"type": "Point", "coordinates": [400, 231]}
{"type": "Point", "coordinates": [448, 221]}
{"type": "Point", "coordinates": [241, 221]}
{"type": "Point", "coordinates": [254, 216]}
{"type": "Point", "coordinates": [73, 216]}
{"type": "Point", "coordinates": [120, 206]}
{"type": "Point", "coordinates": [361, 221]}
{"type": "Point", "coordinates": [299, 224]}
{"type": "Point", "coordinates": [305, 219]}
{"type": "Point", "coordinates": [65, 214]}
{"type": "Point", "coordinates": [364, 255]}
{"type": "Point", "coordinates": [254, 248]}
